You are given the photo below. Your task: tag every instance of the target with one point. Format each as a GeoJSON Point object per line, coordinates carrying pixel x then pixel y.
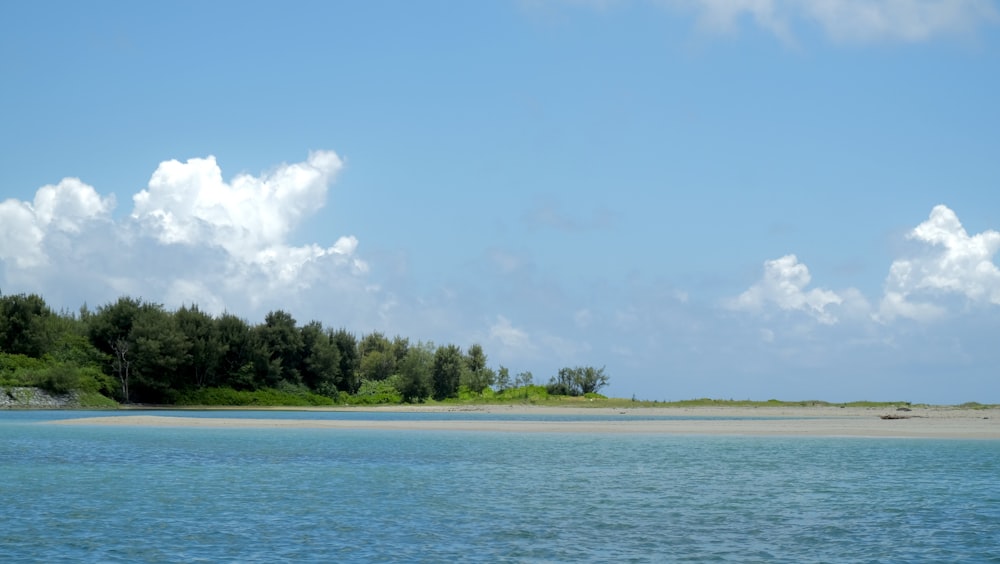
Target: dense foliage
{"type": "Point", "coordinates": [135, 351]}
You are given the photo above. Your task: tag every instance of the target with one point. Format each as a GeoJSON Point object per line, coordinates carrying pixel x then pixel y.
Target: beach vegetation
{"type": "Point", "coordinates": [378, 392]}
{"type": "Point", "coordinates": [131, 351]}
{"type": "Point", "coordinates": [265, 397]}
{"type": "Point", "coordinates": [974, 405]}
{"type": "Point", "coordinates": [577, 381]}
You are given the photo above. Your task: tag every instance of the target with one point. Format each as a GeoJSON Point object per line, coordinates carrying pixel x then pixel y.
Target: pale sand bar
{"type": "Point", "coordinates": [931, 422]}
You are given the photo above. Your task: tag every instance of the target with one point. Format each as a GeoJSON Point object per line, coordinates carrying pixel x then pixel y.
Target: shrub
{"type": "Point", "coordinates": [375, 392]}
{"type": "Point", "coordinates": [58, 378]}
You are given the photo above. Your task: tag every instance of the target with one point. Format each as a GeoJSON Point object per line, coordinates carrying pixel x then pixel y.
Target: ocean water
{"type": "Point", "coordinates": [133, 494]}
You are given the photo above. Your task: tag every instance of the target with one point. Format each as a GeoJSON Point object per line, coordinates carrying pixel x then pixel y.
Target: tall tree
{"type": "Point", "coordinates": [236, 367]}
{"type": "Point", "coordinates": [449, 365]}
{"type": "Point", "coordinates": [159, 352]}
{"type": "Point", "coordinates": [399, 347]}
{"type": "Point", "coordinates": [205, 349]}
{"type": "Point", "coordinates": [347, 347]}
{"type": "Point", "coordinates": [110, 331]}
{"type": "Point", "coordinates": [416, 373]}
{"type": "Point", "coordinates": [26, 325]}
{"type": "Point", "coordinates": [281, 337]}
{"type": "Point", "coordinates": [503, 378]}
{"type": "Point", "coordinates": [378, 359]}
{"type": "Point", "coordinates": [320, 359]}
{"type": "Point", "coordinates": [524, 379]}
{"type": "Point", "coordinates": [590, 380]}
{"type": "Point", "coordinates": [374, 341]}
{"type": "Point", "coordinates": [478, 377]}
{"type": "Point", "coordinates": [476, 357]}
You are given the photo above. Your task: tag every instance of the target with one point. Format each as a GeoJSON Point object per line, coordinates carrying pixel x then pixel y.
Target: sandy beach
{"type": "Point", "coordinates": [919, 422]}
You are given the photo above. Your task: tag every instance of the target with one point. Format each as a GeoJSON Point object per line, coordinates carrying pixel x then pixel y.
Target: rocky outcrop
{"type": "Point", "coordinates": [35, 398]}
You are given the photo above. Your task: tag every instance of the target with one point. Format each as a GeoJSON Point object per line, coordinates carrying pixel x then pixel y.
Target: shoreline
{"type": "Point", "coordinates": [818, 421]}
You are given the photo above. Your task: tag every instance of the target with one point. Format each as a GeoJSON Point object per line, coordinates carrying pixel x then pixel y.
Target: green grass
{"type": "Point", "coordinates": [384, 393]}
{"type": "Point", "coordinates": [977, 405]}
{"type": "Point", "coordinates": [621, 403]}
{"type": "Point", "coordinates": [228, 397]}
{"type": "Point", "coordinates": [94, 400]}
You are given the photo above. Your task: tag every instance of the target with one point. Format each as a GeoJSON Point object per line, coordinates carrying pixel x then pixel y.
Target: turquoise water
{"type": "Point", "coordinates": [131, 494]}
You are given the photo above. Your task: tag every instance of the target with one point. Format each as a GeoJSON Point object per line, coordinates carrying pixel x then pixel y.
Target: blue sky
{"type": "Point", "coordinates": [755, 199]}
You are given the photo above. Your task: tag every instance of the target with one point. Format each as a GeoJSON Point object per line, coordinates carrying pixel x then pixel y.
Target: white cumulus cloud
{"type": "Point", "coordinates": [192, 238]}
{"type": "Point", "coordinates": [784, 286]}
{"type": "Point", "coordinates": [20, 235]}
{"type": "Point", "coordinates": [249, 218]}
{"type": "Point", "coordinates": [67, 207]}
{"type": "Point", "coordinates": [190, 203]}
{"type": "Point", "coordinates": [950, 262]}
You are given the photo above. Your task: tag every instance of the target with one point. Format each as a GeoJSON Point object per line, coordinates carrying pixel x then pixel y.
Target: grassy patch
{"type": "Point", "coordinates": [94, 400]}
{"type": "Point", "coordinates": [256, 398]}
{"type": "Point", "coordinates": [977, 405]}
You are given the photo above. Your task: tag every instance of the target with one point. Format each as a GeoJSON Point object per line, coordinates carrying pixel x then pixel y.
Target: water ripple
{"type": "Point", "coordinates": [76, 494]}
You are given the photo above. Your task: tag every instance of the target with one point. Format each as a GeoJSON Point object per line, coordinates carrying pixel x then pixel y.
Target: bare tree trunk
{"type": "Point", "coordinates": [122, 365]}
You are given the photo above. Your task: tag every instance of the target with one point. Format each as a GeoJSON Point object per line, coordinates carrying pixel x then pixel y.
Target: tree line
{"type": "Point", "coordinates": [135, 351]}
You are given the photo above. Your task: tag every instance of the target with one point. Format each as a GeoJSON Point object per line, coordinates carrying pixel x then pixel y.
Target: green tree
{"type": "Point", "coordinates": [399, 347]}
{"type": "Point", "coordinates": [320, 359]}
{"type": "Point", "coordinates": [590, 380]}
{"type": "Point", "coordinates": [70, 343]}
{"type": "Point", "coordinates": [347, 346]}
{"type": "Point", "coordinates": [25, 325]}
{"type": "Point", "coordinates": [476, 358]}
{"type": "Point", "coordinates": [205, 348]}
{"type": "Point", "coordinates": [478, 377]}
{"type": "Point", "coordinates": [378, 359]}
{"type": "Point", "coordinates": [236, 360]}
{"type": "Point", "coordinates": [282, 340]}
{"type": "Point", "coordinates": [109, 330]}
{"type": "Point", "coordinates": [561, 384]}
{"type": "Point", "coordinates": [577, 381]}
{"type": "Point", "coordinates": [416, 371]}
{"type": "Point", "coordinates": [377, 365]}
{"type": "Point", "coordinates": [374, 341]}
{"type": "Point", "coordinates": [524, 379]}
{"type": "Point", "coordinates": [503, 381]}
{"type": "Point", "coordinates": [449, 365]}
{"type": "Point", "coordinates": [159, 351]}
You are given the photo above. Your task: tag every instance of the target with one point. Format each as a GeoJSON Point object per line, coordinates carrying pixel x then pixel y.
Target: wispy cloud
{"type": "Point", "coordinates": [899, 20]}
{"type": "Point", "coordinates": [550, 215]}
{"type": "Point", "coordinates": [847, 21]}
{"type": "Point", "coordinates": [510, 337]}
